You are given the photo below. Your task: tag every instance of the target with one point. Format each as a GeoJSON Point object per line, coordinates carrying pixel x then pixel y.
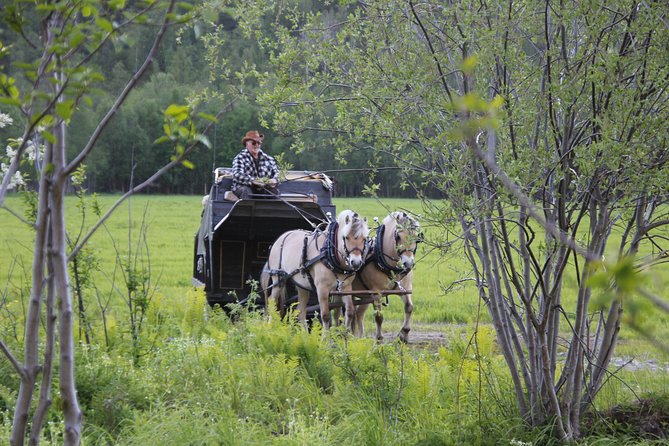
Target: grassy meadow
{"type": "Point", "coordinates": [198, 378]}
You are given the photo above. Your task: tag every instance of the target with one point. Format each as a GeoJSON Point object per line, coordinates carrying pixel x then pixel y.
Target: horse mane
{"type": "Point", "coordinates": [403, 220]}
{"type": "Point", "coordinates": [350, 223]}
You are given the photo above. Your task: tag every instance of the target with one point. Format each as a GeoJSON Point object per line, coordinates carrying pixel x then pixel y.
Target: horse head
{"type": "Point", "coordinates": [406, 234]}
{"type": "Point", "coordinates": [352, 240]}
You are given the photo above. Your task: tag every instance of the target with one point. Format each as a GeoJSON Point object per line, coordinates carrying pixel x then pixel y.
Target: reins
{"type": "Point", "coordinates": [300, 212]}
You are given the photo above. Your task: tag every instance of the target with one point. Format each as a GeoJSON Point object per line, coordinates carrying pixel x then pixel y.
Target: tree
{"type": "Point", "coordinates": [44, 89]}
{"type": "Point", "coordinates": [543, 122]}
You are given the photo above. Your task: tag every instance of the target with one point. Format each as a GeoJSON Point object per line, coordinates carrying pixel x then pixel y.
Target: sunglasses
{"type": "Point", "coordinates": [255, 143]}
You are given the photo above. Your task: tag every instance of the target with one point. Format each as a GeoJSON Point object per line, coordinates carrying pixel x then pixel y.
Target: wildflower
{"type": "Point", "coordinates": [5, 120]}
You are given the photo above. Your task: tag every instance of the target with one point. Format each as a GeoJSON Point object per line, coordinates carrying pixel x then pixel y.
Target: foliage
{"type": "Point", "coordinates": [208, 378]}
{"type": "Point", "coordinates": [542, 142]}
{"type": "Point", "coordinates": [43, 89]}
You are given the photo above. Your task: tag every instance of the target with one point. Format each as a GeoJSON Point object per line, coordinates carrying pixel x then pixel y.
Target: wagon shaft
{"type": "Point", "coordinates": [370, 292]}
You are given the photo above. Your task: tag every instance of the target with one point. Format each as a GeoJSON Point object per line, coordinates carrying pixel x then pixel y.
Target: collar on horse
{"type": "Point", "coordinates": [380, 258]}
{"type": "Point", "coordinates": [328, 254]}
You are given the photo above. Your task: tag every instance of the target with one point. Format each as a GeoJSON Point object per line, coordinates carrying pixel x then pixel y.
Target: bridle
{"type": "Point", "coordinates": [381, 258]}
{"type": "Point", "coordinates": [349, 252]}
{"type": "Point", "coordinates": [330, 252]}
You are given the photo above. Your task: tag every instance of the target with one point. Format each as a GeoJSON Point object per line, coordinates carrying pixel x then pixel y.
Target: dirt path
{"type": "Point", "coordinates": [422, 337]}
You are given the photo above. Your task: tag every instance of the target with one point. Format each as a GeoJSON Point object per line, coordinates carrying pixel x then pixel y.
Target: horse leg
{"type": "Point", "coordinates": [336, 316]}
{"type": "Point", "coordinates": [272, 298]}
{"type": "Point", "coordinates": [360, 320]}
{"type": "Point", "coordinates": [349, 317]}
{"type": "Point", "coordinates": [378, 317]}
{"type": "Point", "coordinates": [302, 302]}
{"type": "Point", "coordinates": [324, 304]}
{"type": "Point", "coordinates": [408, 311]}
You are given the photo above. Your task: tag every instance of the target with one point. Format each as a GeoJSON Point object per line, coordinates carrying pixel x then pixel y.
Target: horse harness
{"type": "Point", "coordinates": [327, 254]}
{"type": "Point", "coordinates": [394, 273]}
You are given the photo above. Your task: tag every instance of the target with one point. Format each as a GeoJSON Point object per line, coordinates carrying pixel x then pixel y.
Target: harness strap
{"type": "Point", "coordinates": [380, 257]}
{"type": "Point", "coordinates": [307, 264]}
{"type": "Point", "coordinates": [394, 273]}
{"type": "Point", "coordinates": [329, 252]}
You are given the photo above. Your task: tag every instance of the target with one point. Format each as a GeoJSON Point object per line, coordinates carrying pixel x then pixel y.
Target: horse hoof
{"type": "Point", "coordinates": [404, 336]}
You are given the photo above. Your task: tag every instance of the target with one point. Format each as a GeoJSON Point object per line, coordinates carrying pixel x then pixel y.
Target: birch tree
{"type": "Point", "coordinates": [543, 122]}
{"type": "Point", "coordinates": [43, 93]}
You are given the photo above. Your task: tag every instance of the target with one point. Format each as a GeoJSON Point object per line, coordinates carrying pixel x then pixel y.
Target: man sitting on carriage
{"type": "Point", "coordinates": [254, 171]}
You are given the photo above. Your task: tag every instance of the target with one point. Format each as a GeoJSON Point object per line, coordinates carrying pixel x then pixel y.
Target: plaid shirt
{"type": "Point", "coordinates": [244, 168]}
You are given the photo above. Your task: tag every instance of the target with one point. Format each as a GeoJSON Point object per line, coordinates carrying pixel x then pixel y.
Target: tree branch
{"type": "Point", "coordinates": [124, 94]}
{"type": "Point", "coordinates": [12, 359]}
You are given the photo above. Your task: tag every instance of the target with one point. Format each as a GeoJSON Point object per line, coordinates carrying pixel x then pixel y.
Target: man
{"type": "Point", "coordinates": [254, 171]}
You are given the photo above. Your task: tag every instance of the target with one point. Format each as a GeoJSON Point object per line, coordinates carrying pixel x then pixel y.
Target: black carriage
{"type": "Point", "coordinates": [233, 242]}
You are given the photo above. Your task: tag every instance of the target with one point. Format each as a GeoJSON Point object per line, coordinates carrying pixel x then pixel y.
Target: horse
{"type": "Point", "coordinates": [320, 261]}
{"type": "Point", "coordinates": [390, 267]}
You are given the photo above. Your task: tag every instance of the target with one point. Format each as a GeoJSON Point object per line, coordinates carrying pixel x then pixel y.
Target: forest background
{"type": "Point", "coordinates": [181, 70]}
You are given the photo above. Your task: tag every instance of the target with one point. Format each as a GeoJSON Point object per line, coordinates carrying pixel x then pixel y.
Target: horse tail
{"type": "Point", "coordinates": [267, 284]}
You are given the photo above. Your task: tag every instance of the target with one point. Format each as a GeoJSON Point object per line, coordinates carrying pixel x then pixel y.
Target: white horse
{"type": "Point", "coordinates": [390, 267]}
{"type": "Point", "coordinates": [320, 261]}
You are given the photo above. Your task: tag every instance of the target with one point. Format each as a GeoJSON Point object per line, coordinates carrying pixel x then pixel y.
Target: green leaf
{"type": "Point", "coordinates": [65, 109]}
{"type": "Point", "coordinates": [105, 24]}
{"type": "Point", "coordinates": [87, 11]}
{"type": "Point", "coordinates": [469, 64]}
{"type": "Point", "coordinates": [177, 112]}
{"type": "Point", "coordinates": [202, 139]}
{"type": "Point", "coordinates": [207, 116]}
{"type": "Point", "coordinates": [49, 136]}
{"type": "Point", "coordinates": [117, 4]}
{"type": "Point", "coordinates": [10, 101]}
{"type": "Point", "coordinates": [188, 164]}
{"type": "Point", "coordinates": [76, 38]}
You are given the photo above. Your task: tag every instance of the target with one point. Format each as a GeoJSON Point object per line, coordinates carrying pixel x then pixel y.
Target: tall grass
{"type": "Point", "coordinates": [204, 379]}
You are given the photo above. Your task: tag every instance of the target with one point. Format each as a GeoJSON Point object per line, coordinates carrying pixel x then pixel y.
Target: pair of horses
{"type": "Point", "coordinates": [343, 258]}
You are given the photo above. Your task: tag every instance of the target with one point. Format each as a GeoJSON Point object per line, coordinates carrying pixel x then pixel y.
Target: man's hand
{"type": "Point", "coordinates": [265, 182]}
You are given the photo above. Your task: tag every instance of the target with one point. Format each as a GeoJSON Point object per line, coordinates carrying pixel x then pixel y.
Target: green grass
{"type": "Point", "coordinates": [172, 223]}
{"type": "Point", "coordinates": [173, 220]}
{"type": "Point", "coordinates": [211, 381]}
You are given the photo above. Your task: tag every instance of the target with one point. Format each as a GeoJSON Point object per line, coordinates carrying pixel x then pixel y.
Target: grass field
{"type": "Point", "coordinates": [188, 367]}
{"type": "Point", "coordinates": [172, 221]}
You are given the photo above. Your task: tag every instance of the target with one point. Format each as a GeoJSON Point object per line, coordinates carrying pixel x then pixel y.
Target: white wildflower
{"type": "Point", "coordinates": [34, 151]}
{"type": "Point", "coordinates": [11, 153]}
{"type": "Point", "coordinates": [16, 180]}
{"type": "Point", "coordinates": [5, 120]}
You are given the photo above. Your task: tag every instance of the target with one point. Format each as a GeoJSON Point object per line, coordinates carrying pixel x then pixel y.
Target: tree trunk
{"type": "Point", "coordinates": [31, 365]}
{"type": "Point", "coordinates": [71, 410]}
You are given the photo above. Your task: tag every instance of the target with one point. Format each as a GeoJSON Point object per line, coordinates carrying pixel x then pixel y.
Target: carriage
{"type": "Point", "coordinates": [235, 236]}
{"type": "Point", "coordinates": [235, 239]}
